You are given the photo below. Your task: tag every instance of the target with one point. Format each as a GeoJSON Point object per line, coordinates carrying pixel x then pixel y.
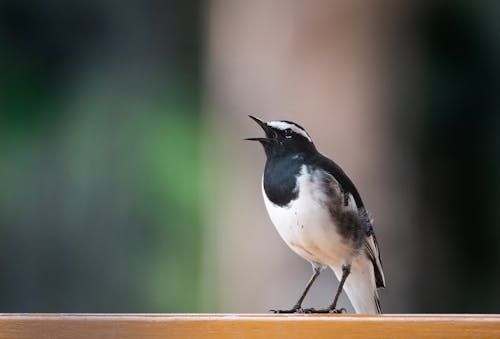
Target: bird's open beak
{"type": "Point", "coordinates": [264, 126]}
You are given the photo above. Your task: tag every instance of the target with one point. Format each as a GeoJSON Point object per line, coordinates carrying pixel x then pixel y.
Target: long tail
{"type": "Point", "coordinates": [360, 286]}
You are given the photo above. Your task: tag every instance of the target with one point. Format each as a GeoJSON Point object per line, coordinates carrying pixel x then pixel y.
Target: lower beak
{"type": "Point", "coordinates": [259, 139]}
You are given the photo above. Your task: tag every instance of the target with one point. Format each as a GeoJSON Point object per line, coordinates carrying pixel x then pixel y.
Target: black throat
{"type": "Point", "coordinates": [280, 178]}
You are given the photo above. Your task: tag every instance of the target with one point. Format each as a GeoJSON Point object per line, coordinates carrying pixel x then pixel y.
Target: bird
{"type": "Point", "coordinates": [320, 215]}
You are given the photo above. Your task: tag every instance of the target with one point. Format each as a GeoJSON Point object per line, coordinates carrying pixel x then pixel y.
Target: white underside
{"type": "Point", "coordinates": [308, 229]}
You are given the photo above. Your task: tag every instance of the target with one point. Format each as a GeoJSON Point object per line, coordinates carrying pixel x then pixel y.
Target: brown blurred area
{"type": "Point", "coordinates": [324, 66]}
{"type": "Point", "coordinates": [355, 75]}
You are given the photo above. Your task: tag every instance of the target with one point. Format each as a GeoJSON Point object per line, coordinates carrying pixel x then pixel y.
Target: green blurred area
{"type": "Point", "coordinates": [99, 153]}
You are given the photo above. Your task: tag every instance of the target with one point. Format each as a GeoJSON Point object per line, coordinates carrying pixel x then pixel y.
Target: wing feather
{"type": "Point", "coordinates": [347, 186]}
{"type": "Point", "coordinates": [372, 250]}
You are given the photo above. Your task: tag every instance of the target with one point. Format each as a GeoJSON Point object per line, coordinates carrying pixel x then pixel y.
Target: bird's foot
{"type": "Point", "coordinates": [326, 310]}
{"type": "Point", "coordinates": [295, 309]}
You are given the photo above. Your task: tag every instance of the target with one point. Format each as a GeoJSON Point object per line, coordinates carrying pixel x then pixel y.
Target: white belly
{"type": "Point", "coordinates": [307, 227]}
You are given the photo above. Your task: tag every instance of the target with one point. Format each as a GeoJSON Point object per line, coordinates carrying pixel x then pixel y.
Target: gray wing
{"type": "Point", "coordinates": [343, 192]}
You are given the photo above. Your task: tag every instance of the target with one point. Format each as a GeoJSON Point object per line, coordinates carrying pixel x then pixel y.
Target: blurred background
{"type": "Point", "coordinates": [125, 185]}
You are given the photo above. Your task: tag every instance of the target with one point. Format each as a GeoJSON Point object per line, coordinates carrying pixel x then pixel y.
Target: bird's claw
{"type": "Point", "coordinates": [296, 309]}
{"type": "Point", "coordinates": [325, 310]}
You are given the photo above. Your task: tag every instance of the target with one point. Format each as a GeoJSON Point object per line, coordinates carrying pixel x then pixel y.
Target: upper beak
{"type": "Point", "coordinates": [263, 125]}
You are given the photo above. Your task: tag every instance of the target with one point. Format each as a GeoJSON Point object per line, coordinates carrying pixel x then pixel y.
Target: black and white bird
{"type": "Point", "coordinates": [319, 214]}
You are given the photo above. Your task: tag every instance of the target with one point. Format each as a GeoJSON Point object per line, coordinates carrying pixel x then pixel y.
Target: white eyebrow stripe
{"type": "Point", "coordinates": [284, 125]}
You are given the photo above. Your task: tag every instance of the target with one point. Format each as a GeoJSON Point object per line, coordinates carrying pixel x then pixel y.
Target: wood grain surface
{"type": "Point", "coordinates": [247, 326]}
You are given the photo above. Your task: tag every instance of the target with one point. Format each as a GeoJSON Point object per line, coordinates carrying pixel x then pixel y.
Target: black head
{"type": "Point", "coordinates": [284, 138]}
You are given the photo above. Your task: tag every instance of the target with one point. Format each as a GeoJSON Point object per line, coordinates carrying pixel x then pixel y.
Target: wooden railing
{"type": "Point", "coordinates": [247, 326]}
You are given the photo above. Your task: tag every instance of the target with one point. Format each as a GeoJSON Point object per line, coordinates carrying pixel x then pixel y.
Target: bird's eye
{"type": "Point", "coordinates": [288, 133]}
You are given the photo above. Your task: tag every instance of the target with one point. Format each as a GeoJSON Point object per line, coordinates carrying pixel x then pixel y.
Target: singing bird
{"type": "Point", "coordinates": [319, 213]}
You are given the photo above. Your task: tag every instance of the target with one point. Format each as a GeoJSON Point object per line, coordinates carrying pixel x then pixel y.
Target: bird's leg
{"type": "Point", "coordinates": [297, 308]}
{"type": "Point", "coordinates": [346, 270]}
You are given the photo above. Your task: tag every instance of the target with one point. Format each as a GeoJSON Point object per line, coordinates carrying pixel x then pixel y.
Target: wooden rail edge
{"type": "Point", "coordinates": [247, 326]}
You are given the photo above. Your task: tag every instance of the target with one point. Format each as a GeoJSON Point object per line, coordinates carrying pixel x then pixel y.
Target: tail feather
{"type": "Point", "coordinates": [360, 286]}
